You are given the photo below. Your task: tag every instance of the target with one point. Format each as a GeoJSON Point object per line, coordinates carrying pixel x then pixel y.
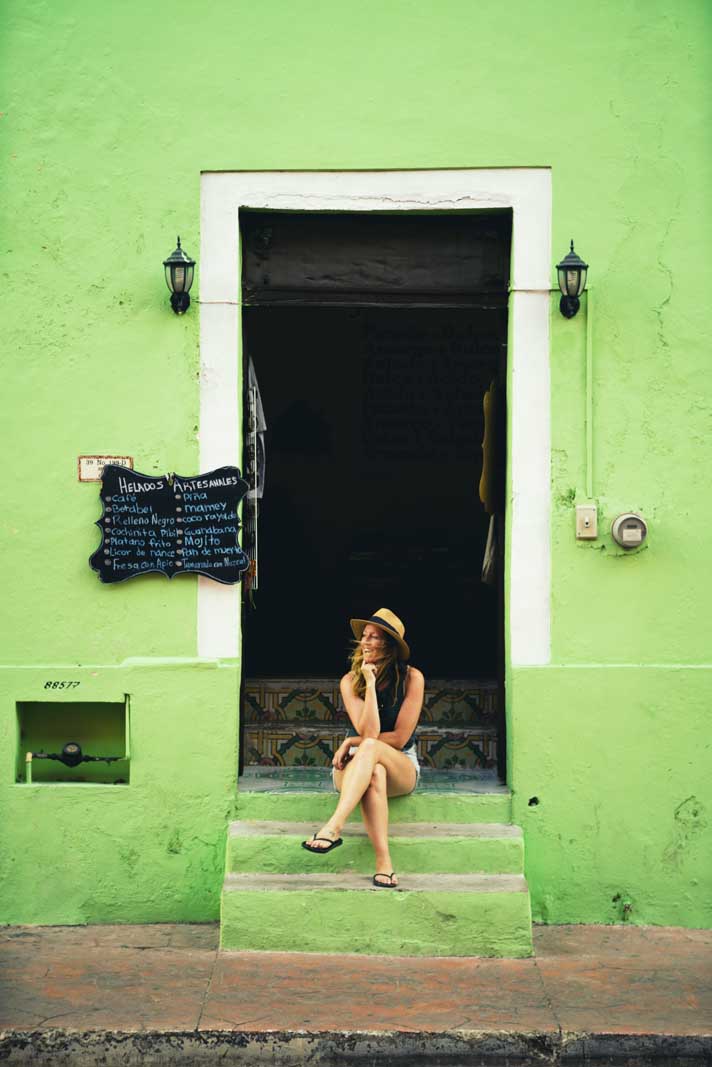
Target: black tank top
{"type": "Point", "coordinates": [389, 704]}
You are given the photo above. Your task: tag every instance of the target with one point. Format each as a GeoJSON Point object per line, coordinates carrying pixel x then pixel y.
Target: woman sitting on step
{"type": "Point", "coordinates": [383, 697]}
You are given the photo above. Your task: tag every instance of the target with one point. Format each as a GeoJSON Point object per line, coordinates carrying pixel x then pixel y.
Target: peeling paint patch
{"type": "Point", "coordinates": [689, 820]}
{"type": "Point", "coordinates": [567, 499]}
{"type": "Point", "coordinates": [130, 857]}
{"type": "Point", "coordinates": [623, 906]}
{"type": "Point", "coordinates": [175, 843]}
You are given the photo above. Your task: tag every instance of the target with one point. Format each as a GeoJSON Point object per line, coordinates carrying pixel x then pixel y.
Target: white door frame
{"type": "Point", "coordinates": [527, 191]}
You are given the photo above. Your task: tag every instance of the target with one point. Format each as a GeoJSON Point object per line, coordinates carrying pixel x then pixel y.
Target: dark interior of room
{"type": "Point", "coordinates": [374, 434]}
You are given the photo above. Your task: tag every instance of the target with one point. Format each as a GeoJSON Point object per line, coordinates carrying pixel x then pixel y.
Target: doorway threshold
{"type": "Point", "coordinates": [318, 780]}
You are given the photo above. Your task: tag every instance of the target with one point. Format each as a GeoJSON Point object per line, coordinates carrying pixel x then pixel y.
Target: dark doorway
{"type": "Point", "coordinates": [374, 339]}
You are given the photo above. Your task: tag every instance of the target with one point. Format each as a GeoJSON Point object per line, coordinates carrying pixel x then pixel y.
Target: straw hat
{"type": "Point", "coordinates": [388, 622]}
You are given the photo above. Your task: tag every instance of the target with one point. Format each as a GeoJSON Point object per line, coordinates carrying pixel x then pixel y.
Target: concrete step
{"type": "Point", "coordinates": [437, 848]}
{"type": "Point", "coordinates": [306, 794]}
{"type": "Point", "coordinates": [316, 807]}
{"type": "Point", "coordinates": [427, 915]}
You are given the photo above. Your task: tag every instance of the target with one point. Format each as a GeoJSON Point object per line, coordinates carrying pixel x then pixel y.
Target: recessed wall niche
{"type": "Point", "coordinates": [99, 729]}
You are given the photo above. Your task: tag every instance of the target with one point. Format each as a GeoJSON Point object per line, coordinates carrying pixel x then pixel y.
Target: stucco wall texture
{"type": "Point", "coordinates": [109, 114]}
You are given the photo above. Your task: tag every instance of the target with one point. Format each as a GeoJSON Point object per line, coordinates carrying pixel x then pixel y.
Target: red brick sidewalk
{"type": "Point", "coordinates": [171, 979]}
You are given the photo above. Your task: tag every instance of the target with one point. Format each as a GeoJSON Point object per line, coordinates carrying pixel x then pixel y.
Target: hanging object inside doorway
{"type": "Point", "coordinates": [255, 471]}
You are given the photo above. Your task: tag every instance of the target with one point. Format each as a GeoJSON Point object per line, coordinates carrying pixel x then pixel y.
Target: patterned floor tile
{"type": "Point", "coordinates": [460, 703]}
{"type": "Point", "coordinates": [289, 746]}
{"type": "Point", "coordinates": [305, 745]}
{"type": "Point", "coordinates": [292, 700]}
{"type": "Point", "coordinates": [448, 749]}
{"type": "Point", "coordinates": [452, 701]}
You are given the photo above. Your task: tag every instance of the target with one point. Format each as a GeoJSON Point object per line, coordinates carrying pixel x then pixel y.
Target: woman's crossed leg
{"type": "Point", "coordinates": [376, 772]}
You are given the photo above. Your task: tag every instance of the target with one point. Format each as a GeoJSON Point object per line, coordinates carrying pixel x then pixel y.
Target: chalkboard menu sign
{"type": "Point", "coordinates": [173, 525]}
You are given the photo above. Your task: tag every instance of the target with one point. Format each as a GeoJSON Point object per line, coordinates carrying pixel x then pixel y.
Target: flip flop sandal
{"type": "Point", "coordinates": [322, 851]}
{"type": "Point", "coordinates": [390, 884]}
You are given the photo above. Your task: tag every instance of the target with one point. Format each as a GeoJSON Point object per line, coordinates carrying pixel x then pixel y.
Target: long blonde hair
{"type": "Point", "coordinates": [388, 671]}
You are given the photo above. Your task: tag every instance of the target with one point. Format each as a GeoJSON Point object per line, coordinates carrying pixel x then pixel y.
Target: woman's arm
{"type": "Point", "coordinates": [362, 713]}
{"type": "Point", "coordinates": [407, 716]}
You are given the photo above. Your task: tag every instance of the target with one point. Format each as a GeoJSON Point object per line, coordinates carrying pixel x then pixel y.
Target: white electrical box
{"type": "Point", "coordinates": [586, 522]}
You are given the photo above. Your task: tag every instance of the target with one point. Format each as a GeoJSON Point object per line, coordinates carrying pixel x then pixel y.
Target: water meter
{"type": "Point", "coordinates": [629, 530]}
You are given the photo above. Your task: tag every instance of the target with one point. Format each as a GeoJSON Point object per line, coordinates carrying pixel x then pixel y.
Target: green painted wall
{"type": "Point", "coordinates": [618, 759]}
{"type": "Point", "coordinates": [108, 116]}
{"type": "Point", "coordinates": [150, 851]}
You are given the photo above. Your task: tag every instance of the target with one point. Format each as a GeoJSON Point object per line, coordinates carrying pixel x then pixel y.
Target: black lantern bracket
{"type": "Point", "coordinates": [572, 273]}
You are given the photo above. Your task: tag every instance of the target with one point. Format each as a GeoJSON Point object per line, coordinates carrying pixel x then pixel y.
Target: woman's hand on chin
{"type": "Point", "coordinates": [368, 670]}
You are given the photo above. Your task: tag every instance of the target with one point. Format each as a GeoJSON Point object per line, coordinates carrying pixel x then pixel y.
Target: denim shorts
{"type": "Point", "coordinates": [411, 753]}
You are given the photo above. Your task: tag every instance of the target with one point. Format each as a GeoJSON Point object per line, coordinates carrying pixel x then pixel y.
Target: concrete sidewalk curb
{"type": "Point", "coordinates": [293, 1048]}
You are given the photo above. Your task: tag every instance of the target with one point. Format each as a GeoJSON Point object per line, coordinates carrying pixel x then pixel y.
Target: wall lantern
{"type": "Point", "coordinates": [572, 282]}
{"type": "Point", "coordinates": [179, 278]}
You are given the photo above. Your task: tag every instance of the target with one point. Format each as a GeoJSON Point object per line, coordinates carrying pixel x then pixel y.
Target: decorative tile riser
{"type": "Point", "coordinates": [297, 745]}
{"type": "Point", "coordinates": [284, 855]}
{"type": "Point", "coordinates": [378, 922]}
{"type": "Point", "coordinates": [456, 702]}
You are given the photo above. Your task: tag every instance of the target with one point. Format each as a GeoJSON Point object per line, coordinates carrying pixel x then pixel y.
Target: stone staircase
{"type": "Point", "coordinates": [462, 890]}
{"type": "Point", "coordinates": [299, 722]}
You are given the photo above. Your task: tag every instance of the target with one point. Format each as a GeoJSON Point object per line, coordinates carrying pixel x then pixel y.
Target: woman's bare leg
{"type": "Point", "coordinates": [355, 780]}
{"type": "Point", "coordinates": [374, 809]}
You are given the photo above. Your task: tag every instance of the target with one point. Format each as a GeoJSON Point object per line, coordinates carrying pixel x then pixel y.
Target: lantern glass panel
{"type": "Point", "coordinates": [562, 281]}
{"type": "Point", "coordinates": [572, 282]}
{"type": "Point", "coordinates": [582, 282]}
{"type": "Point", "coordinates": [168, 278]}
{"type": "Point", "coordinates": [178, 279]}
{"type": "Point", "coordinates": [189, 270]}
